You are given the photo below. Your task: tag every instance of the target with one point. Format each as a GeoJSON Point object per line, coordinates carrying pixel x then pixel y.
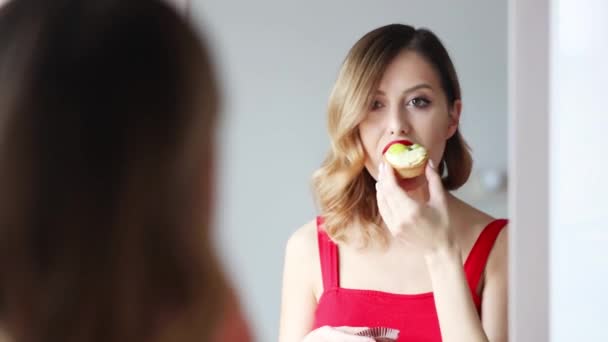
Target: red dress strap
{"type": "Point", "coordinates": [478, 257]}
{"type": "Point", "coordinates": [328, 253]}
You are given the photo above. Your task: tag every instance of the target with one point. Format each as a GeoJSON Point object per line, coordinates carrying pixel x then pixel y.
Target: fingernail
{"type": "Point", "coordinates": [432, 163]}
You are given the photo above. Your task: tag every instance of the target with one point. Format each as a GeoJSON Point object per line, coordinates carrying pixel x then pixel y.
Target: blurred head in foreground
{"type": "Point", "coordinates": [107, 117]}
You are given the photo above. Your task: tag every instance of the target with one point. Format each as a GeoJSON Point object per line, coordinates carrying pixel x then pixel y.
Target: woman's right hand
{"type": "Point", "coordinates": [337, 334]}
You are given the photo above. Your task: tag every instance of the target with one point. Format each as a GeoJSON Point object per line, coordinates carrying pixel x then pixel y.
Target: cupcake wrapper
{"type": "Point", "coordinates": [380, 334]}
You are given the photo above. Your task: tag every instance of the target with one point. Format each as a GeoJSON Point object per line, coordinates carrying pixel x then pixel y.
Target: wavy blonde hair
{"type": "Point", "coordinates": [344, 190]}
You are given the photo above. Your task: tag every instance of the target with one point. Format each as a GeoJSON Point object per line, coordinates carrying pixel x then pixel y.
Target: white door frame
{"type": "Point", "coordinates": [529, 33]}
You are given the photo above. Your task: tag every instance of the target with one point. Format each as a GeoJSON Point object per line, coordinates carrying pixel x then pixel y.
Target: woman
{"type": "Point", "coordinates": [386, 252]}
{"type": "Point", "coordinates": [108, 112]}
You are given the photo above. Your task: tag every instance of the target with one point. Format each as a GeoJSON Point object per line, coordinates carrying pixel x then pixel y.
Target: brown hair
{"type": "Point", "coordinates": [344, 189]}
{"type": "Point", "coordinates": [107, 116]}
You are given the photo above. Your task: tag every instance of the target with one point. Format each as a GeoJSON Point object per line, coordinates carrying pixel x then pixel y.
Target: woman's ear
{"type": "Point", "coordinates": [454, 118]}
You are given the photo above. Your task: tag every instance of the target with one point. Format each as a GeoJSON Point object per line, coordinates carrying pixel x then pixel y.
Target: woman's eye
{"type": "Point", "coordinates": [376, 105]}
{"type": "Point", "coordinates": [419, 102]}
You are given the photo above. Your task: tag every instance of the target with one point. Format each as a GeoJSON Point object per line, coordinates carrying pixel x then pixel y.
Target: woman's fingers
{"type": "Point", "coordinates": [436, 190]}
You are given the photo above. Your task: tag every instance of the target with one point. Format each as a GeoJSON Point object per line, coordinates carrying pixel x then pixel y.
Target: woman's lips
{"type": "Point", "coordinates": [404, 142]}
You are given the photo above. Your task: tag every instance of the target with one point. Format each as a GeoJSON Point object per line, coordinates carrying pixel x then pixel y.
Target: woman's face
{"type": "Point", "coordinates": [409, 104]}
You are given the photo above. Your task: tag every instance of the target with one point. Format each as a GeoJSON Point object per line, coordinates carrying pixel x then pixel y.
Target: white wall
{"type": "Point", "coordinates": [579, 183]}
{"type": "Point", "coordinates": [278, 61]}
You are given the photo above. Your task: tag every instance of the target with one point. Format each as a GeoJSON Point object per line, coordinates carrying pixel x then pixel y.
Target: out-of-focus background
{"type": "Point", "coordinates": [278, 61]}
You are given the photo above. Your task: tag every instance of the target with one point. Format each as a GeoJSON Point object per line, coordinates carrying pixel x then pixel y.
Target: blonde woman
{"type": "Point", "coordinates": [108, 112]}
{"type": "Point", "coordinates": [384, 251]}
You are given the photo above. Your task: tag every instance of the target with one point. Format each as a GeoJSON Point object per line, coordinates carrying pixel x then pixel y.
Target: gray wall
{"type": "Point", "coordinates": [278, 61]}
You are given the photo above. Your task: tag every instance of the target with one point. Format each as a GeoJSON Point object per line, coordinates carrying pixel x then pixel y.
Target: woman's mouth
{"type": "Point", "coordinates": [403, 142]}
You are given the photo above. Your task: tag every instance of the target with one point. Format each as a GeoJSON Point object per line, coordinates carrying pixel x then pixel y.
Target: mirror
{"type": "Point", "coordinates": [279, 61]}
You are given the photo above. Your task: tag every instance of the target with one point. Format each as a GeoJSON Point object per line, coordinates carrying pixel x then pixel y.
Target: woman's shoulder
{"type": "Point", "coordinates": [303, 239]}
{"type": "Point", "coordinates": [472, 221]}
{"type": "Point", "coordinates": [468, 216]}
{"type": "Point", "coordinates": [302, 248]}
{"type": "Point", "coordinates": [475, 221]}
{"type": "Point", "coordinates": [302, 254]}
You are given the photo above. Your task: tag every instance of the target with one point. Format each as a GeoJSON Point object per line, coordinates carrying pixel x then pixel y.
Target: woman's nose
{"type": "Point", "coordinates": [397, 132]}
{"type": "Point", "coordinates": [398, 124]}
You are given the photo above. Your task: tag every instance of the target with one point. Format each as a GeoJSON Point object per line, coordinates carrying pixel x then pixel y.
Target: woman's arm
{"type": "Point", "coordinates": [301, 276]}
{"type": "Point", "coordinates": [427, 225]}
{"type": "Point", "coordinates": [458, 317]}
{"type": "Point", "coordinates": [298, 302]}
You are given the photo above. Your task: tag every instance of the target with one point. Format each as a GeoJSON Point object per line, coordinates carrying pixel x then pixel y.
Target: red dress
{"type": "Point", "coordinates": [414, 315]}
